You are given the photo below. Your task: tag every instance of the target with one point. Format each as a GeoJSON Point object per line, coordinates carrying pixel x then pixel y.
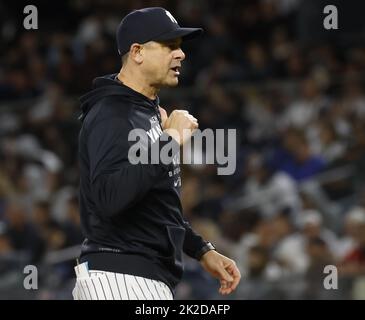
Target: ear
{"type": "Point", "coordinates": [135, 53]}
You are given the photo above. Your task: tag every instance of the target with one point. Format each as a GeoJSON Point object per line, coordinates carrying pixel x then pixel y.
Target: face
{"type": "Point", "coordinates": [162, 62]}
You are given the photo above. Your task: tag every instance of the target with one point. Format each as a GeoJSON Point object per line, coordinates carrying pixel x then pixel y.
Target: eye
{"type": "Point", "coordinates": [173, 45]}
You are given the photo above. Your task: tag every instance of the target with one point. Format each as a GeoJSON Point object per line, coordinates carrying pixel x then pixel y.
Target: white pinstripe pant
{"type": "Point", "coordinates": [103, 285]}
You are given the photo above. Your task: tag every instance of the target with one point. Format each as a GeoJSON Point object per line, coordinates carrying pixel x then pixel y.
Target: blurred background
{"type": "Point", "coordinates": [293, 90]}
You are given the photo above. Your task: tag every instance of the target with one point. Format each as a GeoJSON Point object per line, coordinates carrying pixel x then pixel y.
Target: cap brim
{"type": "Point", "coordinates": [184, 33]}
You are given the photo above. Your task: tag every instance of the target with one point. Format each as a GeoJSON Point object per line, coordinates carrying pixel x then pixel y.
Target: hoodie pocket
{"type": "Point", "coordinates": [176, 237]}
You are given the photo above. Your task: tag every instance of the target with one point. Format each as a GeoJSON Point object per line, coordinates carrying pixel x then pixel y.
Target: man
{"type": "Point", "coordinates": [131, 214]}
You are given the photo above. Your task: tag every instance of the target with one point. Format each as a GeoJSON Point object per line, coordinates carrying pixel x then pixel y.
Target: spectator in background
{"type": "Point", "coordinates": [312, 227]}
{"type": "Point", "coordinates": [306, 109]}
{"type": "Point", "coordinates": [258, 284]}
{"type": "Point", "coordinates": [12, 263]}
{"type": "Point", "coordinates": [269, 190]}
{"type": "Point", "coordinates": [328, 144]}
{"type": "Point", "coordinates": [319, 256]}
{"type": "Point", "coordinates": [353, 264]}
{"type": "Point", "coordinates": [52, 231]}
{"type": "Point", "coordinates": [274, 190]}
{"type": "Point", "coordinates": [351, 268]}
{"type": "Point", "coordinates": [355, 154]}
{"type": "Point", "coordinates": [353, 220]}
{"type": "Point", "coordinates": [22, 234]}
{"type": "Point", "coordinates": [257, 64]}
{"type": "Point", "coordinates": [296, 157]}
{"type": "Point", "coordinates": [6, 249]}
{"type": "Point", "coordinates": [291, 251]}
{"type": "Point", "coordinates": [72, 227]}
{"type": "Point", "coordinates": [261, 235]}
{"type": "Point", "coordinates": [221, 71]}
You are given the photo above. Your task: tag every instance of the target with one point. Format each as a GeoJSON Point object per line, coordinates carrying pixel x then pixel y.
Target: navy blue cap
{"type": "Point", "coordinates": [150, 24]}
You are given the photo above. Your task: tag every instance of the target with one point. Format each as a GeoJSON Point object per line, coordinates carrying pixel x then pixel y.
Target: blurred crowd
{"type": "Point", "coordinates": [295, 95]}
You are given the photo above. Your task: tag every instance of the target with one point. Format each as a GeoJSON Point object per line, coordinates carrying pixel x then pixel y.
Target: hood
{"type": "Point", "coordinates": [110, 86]}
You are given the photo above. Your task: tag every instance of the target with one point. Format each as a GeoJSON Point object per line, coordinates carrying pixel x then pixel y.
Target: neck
{"type": "Point", "coordinates": [137, 82]}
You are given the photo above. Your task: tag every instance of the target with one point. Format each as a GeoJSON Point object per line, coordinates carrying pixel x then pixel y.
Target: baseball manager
{"type": "Point", "coordinates": [131, 214]}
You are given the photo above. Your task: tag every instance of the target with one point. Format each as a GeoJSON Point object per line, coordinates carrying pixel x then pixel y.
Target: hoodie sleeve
{"type": "Point", "coordinates": [117, 184]}
{"type": "Point", "coordinates": [194, 244]}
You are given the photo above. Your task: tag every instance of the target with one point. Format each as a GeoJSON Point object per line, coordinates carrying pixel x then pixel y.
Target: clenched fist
{"type": "Point", "coordinates": [180, 124]}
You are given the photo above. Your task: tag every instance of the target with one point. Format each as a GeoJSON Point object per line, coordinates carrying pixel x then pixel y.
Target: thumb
{"type": "Point", "coordinates": [164, 116]}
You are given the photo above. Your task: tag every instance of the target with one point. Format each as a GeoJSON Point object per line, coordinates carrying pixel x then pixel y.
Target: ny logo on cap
{"type": "Point", "coordinates": [170, 16]}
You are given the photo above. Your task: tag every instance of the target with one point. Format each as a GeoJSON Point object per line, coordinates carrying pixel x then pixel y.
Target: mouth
{"type": "Point", "coordinates": [176, 70]}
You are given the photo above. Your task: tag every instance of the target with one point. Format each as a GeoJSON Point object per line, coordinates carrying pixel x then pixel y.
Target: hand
{"type": "Point", "coordinates": [222, 268]}
{"type": "Point", "coordinates": [164, 116]}
{"type": "Point", "coordinates": [180, 124]}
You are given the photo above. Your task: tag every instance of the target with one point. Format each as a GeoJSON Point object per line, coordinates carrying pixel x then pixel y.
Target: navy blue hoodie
{"type": "Point", "coordinates": [131, 215]}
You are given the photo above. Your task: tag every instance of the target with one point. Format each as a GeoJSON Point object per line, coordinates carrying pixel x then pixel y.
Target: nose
{"type": "Point", "coordinates": [180, 54]}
